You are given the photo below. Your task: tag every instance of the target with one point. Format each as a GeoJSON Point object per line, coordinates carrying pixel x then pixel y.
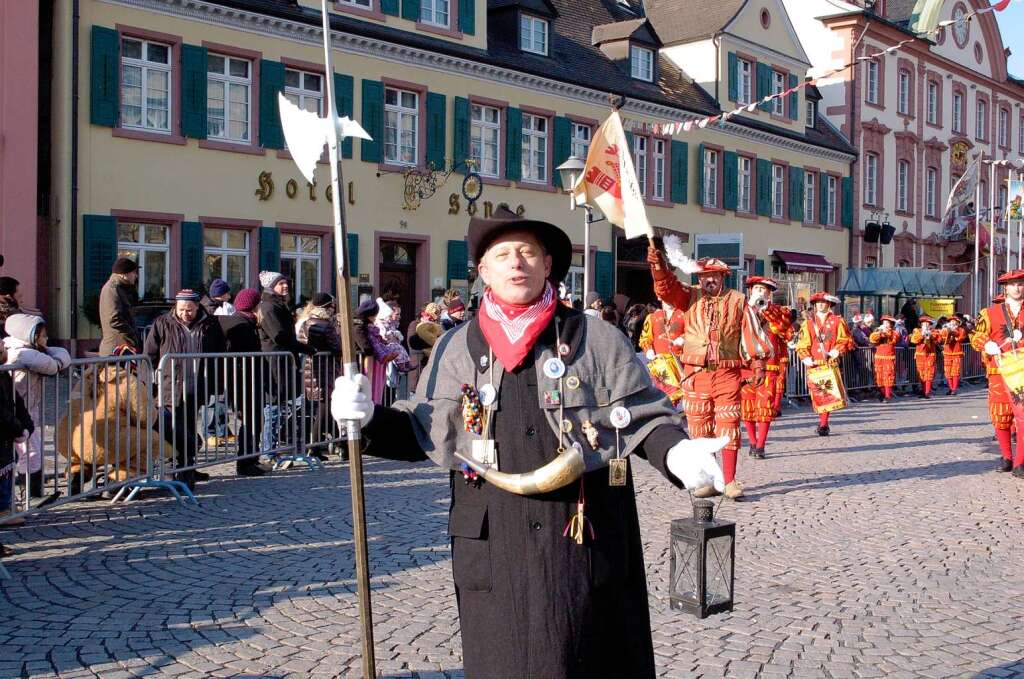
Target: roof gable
{"type": "Point", "coordinates": [682, 21]}
{"type": "Point", "coordinates": [778, 36]}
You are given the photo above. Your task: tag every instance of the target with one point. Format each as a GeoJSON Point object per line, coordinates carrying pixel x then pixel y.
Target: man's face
{"type": "Point", "coordinates": [822, 307]}
{"type": "Point", "coordinates": [762, 291]}
{"type": "Point", "coordinates": [515, 267]}
{"type": "Point", "coordinates": [710, 283]}
{"type": "Point", "coordinates": [1015, 291]}
{"type": "Point", "coordinates": [458, 315]}
{"type": "Point", "coordinates": [282, 288]}
{"type": "Point", "coordinates": [926, 325]}
{"type": "Point", "coordinates": [886, 325]}
{"type": "Point", "coordinates": [186, 311]}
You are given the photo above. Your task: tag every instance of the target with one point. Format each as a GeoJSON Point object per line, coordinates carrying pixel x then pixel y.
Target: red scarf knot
{"type": "Point", "coordinates": [511, 330]}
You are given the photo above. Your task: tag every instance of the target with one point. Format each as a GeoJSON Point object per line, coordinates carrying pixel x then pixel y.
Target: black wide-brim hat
{"type": "Point", "coordinates": [483, 232]}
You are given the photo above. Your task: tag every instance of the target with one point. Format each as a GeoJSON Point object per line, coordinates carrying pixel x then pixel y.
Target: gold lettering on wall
{"type": "Point", "coordinates": [351, 194]}
{"type": "Point", "coordinates": [266, 189]}
{"type": "Point", "coordinates": [453, 204]}
{"type": "Point", "coordinates": [329, 194]}
{"type": "Point", "coordinates": [312, 190]}
{"type": "Point", "coordinates": [291, 188]}
{"type": "Point", "coordinates": [488, 209]}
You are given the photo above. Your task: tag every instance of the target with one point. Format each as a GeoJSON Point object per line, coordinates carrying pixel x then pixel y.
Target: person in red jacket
{"type": "Point", "coordinates": [951, 339]}
{"type": "Point", "coordinates": [926, 340]}
{"type": "Point", "coordinates": [824, 337]}
{"type": "Point", "coordinates": [758, 404]}
{"type": "Point", "coordinates": [885, 339]}
{"type": "Point", "coordinates": [661, 340]}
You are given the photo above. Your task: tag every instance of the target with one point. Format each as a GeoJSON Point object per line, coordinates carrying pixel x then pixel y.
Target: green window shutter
{"type": "Point", "coordinates": [458, 260]}
{"type": "Point", "coordinates": [353, 255]}
{"type": "Point", "coordinates": [104, 55]}
{"type": "Point", "coordinates": [604, 274]}
{"type": "Point", "coordinates": [562, 148]}
{"type": "Point", "coordinates": [271, 82]}
{"type": "Point", "coordinates": [764, 187]}
{"type": "Point", "coordinates": [730, 167]}
{"type": "Point", "coordinates": [344, 101]}
{"type": "Point", "coordinates": [389, 7]}
{"type": "Point", "coordinates": [373, 121]}
{"type": "Point", "coordinates": [467, 16]}
{"type": "Point", "coordinates": [630, 147]}
{"type": "Point", "coordinates": [823, 201]}
{"type": "Point", "coordinates": [460, 132]}
{"type": "Point", "coordinates": [411, 10]}
{"type": "Point", "coordinates": [700, 175]}
{"type": "Point", "coordinates": [734, 86]}
{"type": "Point", "coordinates": [436, 140]}
{"type": "Point", "coordinates": [796, 193]}
{"type": "Point", "coordinates": [270, 248]}
{"type": "Point", "coordinates": [680, 164]}
{"type": "Point", "coordinates": [99, 250]}
{"type": "Point", "coordinates": [193, 91]}
{"type": "Point", "coordinates": [794, 98]}
{"type": "Point", "coordinates": [847, 205]}
{"type": "Point", "coordinates": [191, 255]}
{"type": "Point", "coordinates": [764, 85]}
{"type": "Point", "coordinates": [514, 144]}
{"type": "Point", "coordinates": [758, 267]}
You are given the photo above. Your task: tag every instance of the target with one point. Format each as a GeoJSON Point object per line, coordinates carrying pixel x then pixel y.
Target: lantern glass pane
{"type": "Point", "coordinates": [719, 573]}
{"type": "Point", "coordinates": [686, 578]}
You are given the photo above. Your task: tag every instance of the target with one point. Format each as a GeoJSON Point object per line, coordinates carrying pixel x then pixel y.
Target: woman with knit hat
{"type": "Point", "coordinates": [244, 382]}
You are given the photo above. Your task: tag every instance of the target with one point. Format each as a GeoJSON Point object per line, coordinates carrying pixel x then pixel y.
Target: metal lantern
{"type": "Point", "coordinates": [703, 564]}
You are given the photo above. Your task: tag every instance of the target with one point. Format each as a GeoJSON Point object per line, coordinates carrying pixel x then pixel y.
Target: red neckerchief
{"type": "Point", "coordinates": [511, 330]}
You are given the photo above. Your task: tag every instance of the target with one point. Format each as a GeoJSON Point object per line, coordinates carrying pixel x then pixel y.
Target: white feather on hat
{"type": "Point", "coordinates": [678, 258]}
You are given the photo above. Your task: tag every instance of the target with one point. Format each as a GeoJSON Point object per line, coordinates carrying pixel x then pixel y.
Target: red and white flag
{"type": "Point", "coordinates": [609, 181]}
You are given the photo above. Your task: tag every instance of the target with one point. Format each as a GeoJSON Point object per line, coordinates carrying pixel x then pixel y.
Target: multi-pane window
{"type": "Point", "coordinates": [744, 81]}
{"type": "Point", "coordinates": [903, 93]}
{"type": "Point", "coordinates": [147, 246]}
{"type": "Point", "coordinates": [228, 94]}
{"type": "Point", "coordinates": [1004, 127]}
{"type": "Point", "coordinates": [932, 193]}
{"type": "Point", "coordinates": [872, 85]}
{"type": "Point", "coordinates": [710, 178]}
{"type": "Point", "coordinates": [958, 113]}
{"type": "Point", "coordinates": [832, 195]}
{"type": "Point", "coordinates": [810, 193]}
{"type": "Point", "coordinates": [871, 179]}
{"type": "Point", "coordinates": [778, 87]}
{"type": "Point", "coordinates": [903, 186]}
{"type": "Point", "coordinates": [812, 113]}
{"type": "Point", "coordinates": [658, 163]}
{"type": "Point", "coordinates": [434, 12]}
{"type": "Point", "coordinates": [484, 140]}
{"type": "Point", "coordinates": [641, 63]}
{"type": "Point", "coordinates": [743, 165]}
{"type": "Point", "coordinates": [305, 90]}
{"type": "Point", "coordinates": [226, 256]}
{"type": "Point", "coordinates": [401, 126]}
{"type": "Point", "coordinates": [981, 120]}
{"type": "Point", "coordinates": [778, 191]}
{"type": "Point", "coordinates": [364, 4]}
{"type": "Point", "coordinates": [581, 133]}
{"type": "Point", "coordinates": [145, 85]}
{"type": "Point", "coordinates": [933, 102]}
{"type": "Point", "coordinates": [535, 149]}
{"type": "Point", "coordinates": [300, 262]}
{"type": "Point", "coordinates": [640, 162]}
{"type": "Point", "coordinates": [533, 34]}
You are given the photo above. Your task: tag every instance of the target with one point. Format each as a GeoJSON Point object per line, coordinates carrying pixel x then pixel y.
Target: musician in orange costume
{"type": "Point", "coordinates": [824, 337]}
{"type": "Point", "coordinates": [1000, 328]}
{"type": "Point", "coordinates": [757, 407]}
{"type": "Point", "coordinates": [951, 339]}
{"type": "Point", "coordinates": [926, 340]}
{"type": "Point", "coordinates": [721, 335]}
{"type": "Point", "coordinates": [885, 339]}
{"type": "Point", "coordinates": [662, 336]}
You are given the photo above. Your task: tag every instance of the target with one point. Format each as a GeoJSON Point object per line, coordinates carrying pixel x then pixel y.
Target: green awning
{"type": "Point", "coordinates": [902, 281]}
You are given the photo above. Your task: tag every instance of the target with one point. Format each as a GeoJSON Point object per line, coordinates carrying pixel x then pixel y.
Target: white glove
{"type": "Point", "coordinates": [992, 349]}
{"type": "Point", "coordinates": [679, 341]}
{"type": "Point", "coordinates": [650, 354]}
{"type": "Point", "coordinates": [833, 353]}
{"type": "Point", "coordinates": [351, 400]}
{"type": "Point", "coordinates": [692, 461]}
{"type": "Point", "coordinates": [809, 362]}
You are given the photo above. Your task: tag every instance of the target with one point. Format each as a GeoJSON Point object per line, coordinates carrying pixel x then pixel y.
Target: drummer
{"type": "Point", "coordinates": [824, 337]}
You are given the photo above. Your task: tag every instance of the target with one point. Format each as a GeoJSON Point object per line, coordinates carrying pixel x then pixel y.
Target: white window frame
{"type": "Point", "coordinates": [933, 102]}
{"type": "Point", "coordinates": [302, 95]}
{"type": "Point", "coordinates": [146, 67]}
{"type": "Point", "coordinates": [871, 179]}
{"type": "Point", "coordinates": [141, 247]}
{"type": "Point", "coordinates": [226, 251]}
{"type": "Point", "coordinates": [533, 34]}
{"type": "Point", "coordinates": [1004, 128]}
{"type": "Point", "coordinates": [711, 178]}
{"type": "Point", "coordinates": [226, 83]}
{"type": "Point", "coordinates": [958, 112]}
{"type": "Point", "coordinates": [981, 120]}
{"type": "Point", "coordinates": [582, 133]}
{"type": "Point", "coordinates": [641, 63]}
{"type": "Point", "coordinates": [436, 12]}
{"type": "Point", "coordinates": [903, 91]}
{"type": "Point", "coordinates": [1002, 198]}
{"type": "Point", "coordinates": [832, 195]}
{"type": "Point", "coordinates": [778, 191]}
{"type": "Point", "coordinates": [478, 125]}
{"type": "Point", "coordinates": [535, 161]}
{"type": "Point", "coordinates": [903, 186]}
{"type": "Point", "coordinates": [300, 257]}
{"type": "Point", "coordinates": [398, 113]}
{"type": "Point", "coordinates": [872, 82]}
{"type": "Point", "coordinates": [744, 175]}
{"type": "Point", "coordinates": [811, 113]}
{"type": "Point", "coordinates": [778, 87]}
{"type": "Point", "coordinates": [659, 150]}
{"type": "Point", "coordinates": [361, 4]}
{"type": "Point", "coordinates": [744, 81]}
{"type": "Point", "coordinates": [1020, 134]}
{"type": "Point", "coordinates": [640, 151]}
{"type": "Point", "coordinates": [810, 197]}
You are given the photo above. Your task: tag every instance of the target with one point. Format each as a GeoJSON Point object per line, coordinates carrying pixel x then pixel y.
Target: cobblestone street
{"type": "Point", "coordinates": [890, 549]}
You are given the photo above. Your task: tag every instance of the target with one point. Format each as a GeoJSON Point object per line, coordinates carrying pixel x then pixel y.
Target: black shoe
{"type": "Point", "coordinates": [251, 470]}
{"type": "Point", "coordinates": [758, 453]}
{"type": "Point", "coordinates": [1018, 471]}
{"type": "Point", "coordinates": [823, 431]}
{"type": "Point", "coordinates": [752, 451]}
{"type": "Point", "coordinates": [949, 392]}
{"type": "Point", "coordinates": [927, 396]}
{"type": "Point", "coordinates": [881, 398]}
{"type": "Point", "coordinates": [952, 393]}
{"type": "Point", "coordinates": [200, 476]}
{"type": "Point", "coordinates": [1004, 465]}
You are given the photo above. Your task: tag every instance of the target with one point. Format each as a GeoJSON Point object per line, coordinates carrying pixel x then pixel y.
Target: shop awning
{"type": "Point", "coordinates": [904, 281]}
{"type": "Point", "coordinates": [799, 262]}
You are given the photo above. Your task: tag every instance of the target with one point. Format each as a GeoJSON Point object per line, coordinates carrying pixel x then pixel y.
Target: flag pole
{"type": "Point", "coordinates": [991, 227]}
{"type": "Point", "coordinates": [977, 243]}
{"type": "Point", "coordinates": [351, 369]}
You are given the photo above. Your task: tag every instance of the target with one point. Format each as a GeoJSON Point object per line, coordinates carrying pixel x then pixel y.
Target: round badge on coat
{"type": "Point", "coordinates": [484, 362]}
{"type": "Point", "coordinates": [563, 349]}
{"type": "Point", "coordinates": [1017, 335]}
{"type": "Point", "coordinates": [620, 417]}
{"type": "Point", "coordinates": [488, 394]}
{"type": "Point", "coordinates": [554, 368]}
{"type": "Point", "coordinates": [572, 382]}
{"type": "Point", "coordinates": [566, 426]}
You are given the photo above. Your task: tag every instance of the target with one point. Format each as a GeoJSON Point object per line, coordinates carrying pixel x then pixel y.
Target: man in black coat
{"type": "Point", "coordinates": [522, 404]}
{"type": "Point", "coordinates": [243, 381]}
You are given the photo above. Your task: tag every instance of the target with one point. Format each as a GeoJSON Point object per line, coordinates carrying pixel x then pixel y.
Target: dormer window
{"type": "Point", "coordinates": [641, 63]}
{"type": "Point", "coordinates": [812, 113]}
{"type": "Point", "coordinates": [744, 80]}
{"type": "Point", "coordinates": [533, 34]}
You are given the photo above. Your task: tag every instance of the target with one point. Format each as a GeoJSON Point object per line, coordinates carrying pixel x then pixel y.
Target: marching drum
{"type": "Point", "coordinates": [825, 384]}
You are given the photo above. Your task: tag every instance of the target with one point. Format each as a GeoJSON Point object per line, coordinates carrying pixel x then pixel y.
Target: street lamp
{"type": "Point", "coordinates": [570, 173]}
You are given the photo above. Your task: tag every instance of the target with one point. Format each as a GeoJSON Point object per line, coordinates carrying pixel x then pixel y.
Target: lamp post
{"type": "Point", "coordinates": [570, 173]}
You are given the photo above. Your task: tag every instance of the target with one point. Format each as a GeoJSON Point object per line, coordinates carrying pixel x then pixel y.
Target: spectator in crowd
{"type": "Point", "coordinates": [378, 357]}
{"type": "Point", "coordinates": [185, 329]}
{"type": "Point", "coordinates": [27, 351]}
{"type": "Point", "coordinates": [910, 314]}
{"type": "Point", "coordinates": [10, 300]}
{"type": "Point", "coordinates": [217, 300]}
{"type": "Point", "coordinates": [592, 304]}
{"type": "Point", "coordinates": [454, 313]}
{"type": "Point", "coordinates": [420, 338]}
{"type": "Point", "coordinates": [317, 327]}
{"type": "Point", "coordinates": [860, 330]}
{"type": "Point", "coordinates": [277, 326]}
{"type": "Point", "coordinates": [610, 314]}
{"type": "Point", "coordinates": [388, 317]}
{"type": "Point", "coordinates": [118, 295]}
{"type": "Point", "coordinates": [365, 314]}
{"type": "Point", "coordinates": [243, 379]}
{"type": "Point", "coordinates": [635, 317]}
{"type": "Point", "coordinates": [15, 428]}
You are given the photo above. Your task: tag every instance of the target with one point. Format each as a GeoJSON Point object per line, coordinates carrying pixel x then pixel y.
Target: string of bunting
{"type": "Point", "coordinates": [679, 127]}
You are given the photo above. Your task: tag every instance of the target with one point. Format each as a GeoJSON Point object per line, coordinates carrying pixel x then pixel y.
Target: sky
{"type": "Point", "coordinates": [1011, 26]}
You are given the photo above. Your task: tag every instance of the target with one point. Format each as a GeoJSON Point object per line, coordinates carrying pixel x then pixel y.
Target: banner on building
{"type": "Point", "coordinates": [960, 203]}
{"type": "Point", "coordinates": [1016, 200]}
{"type": "Point", "coordinates": [937, 308]}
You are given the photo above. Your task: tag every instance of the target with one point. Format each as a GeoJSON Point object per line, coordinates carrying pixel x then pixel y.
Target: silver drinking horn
{"type": "Point", "coordinates": [560, 472]}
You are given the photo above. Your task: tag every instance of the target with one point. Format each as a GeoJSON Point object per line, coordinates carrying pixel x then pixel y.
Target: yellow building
{"type": "Point", "coordinates": [175, 155]}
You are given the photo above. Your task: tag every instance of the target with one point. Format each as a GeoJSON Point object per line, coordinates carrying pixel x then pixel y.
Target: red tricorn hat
{"type": "Point", "coordinates": [712, 265]}
{"type": "Point", "coordinates": [925, 318]}
{"type": "Point", "coordinates": [1012, 276]}
{"type": "Point", "coordinates": [824, 297]}
{"type": "Point", "coordinates": [887, 317]}
{"type": "Point", "coordinates": [761, 280]}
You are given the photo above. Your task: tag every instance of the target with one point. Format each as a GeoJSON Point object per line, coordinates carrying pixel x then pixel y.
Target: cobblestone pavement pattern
{"type": "Point", "coordinates": [890, 549]}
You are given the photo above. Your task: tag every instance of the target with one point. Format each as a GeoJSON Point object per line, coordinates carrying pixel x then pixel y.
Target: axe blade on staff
{"type": "Point", "coordinates": [306, 133]}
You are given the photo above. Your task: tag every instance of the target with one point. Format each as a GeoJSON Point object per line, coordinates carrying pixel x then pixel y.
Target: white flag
{"type": "Point", "coordinates": [609, 180]}
{"type": "Point", "coordinates": [962, 193]}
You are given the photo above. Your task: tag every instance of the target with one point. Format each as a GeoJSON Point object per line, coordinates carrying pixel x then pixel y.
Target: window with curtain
{"type": "Point", "coordinates": [145, 85]}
